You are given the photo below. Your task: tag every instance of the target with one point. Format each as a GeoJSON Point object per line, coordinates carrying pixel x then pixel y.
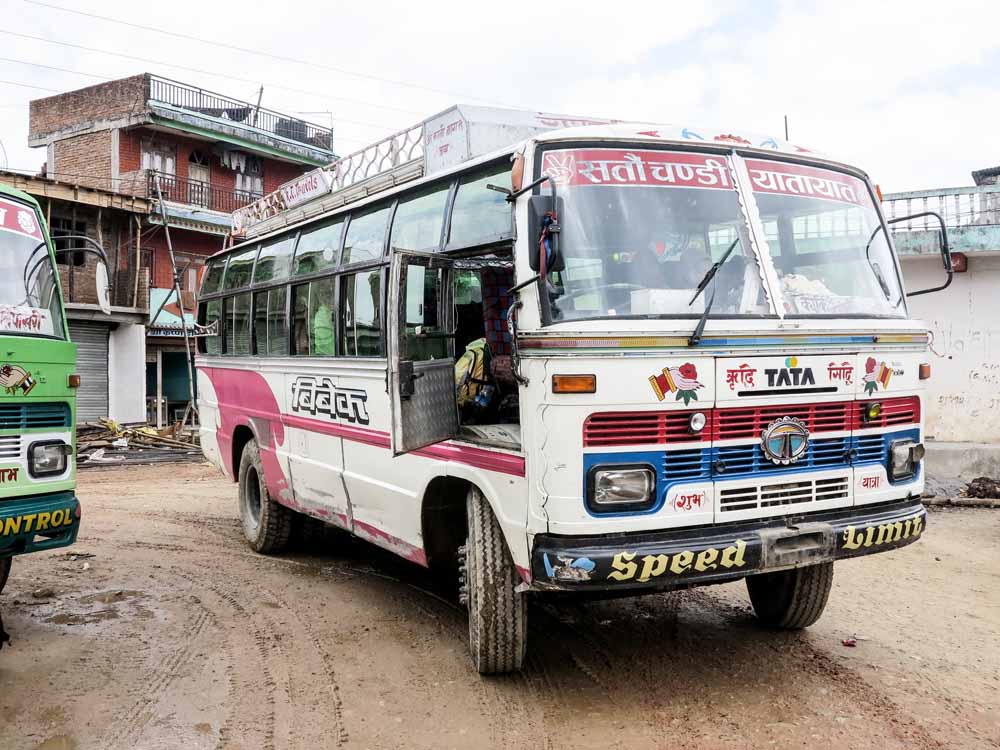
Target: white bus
{"type": "Point", "coordinates": [549, 354]}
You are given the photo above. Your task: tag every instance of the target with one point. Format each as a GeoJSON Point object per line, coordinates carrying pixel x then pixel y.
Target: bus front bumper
{"type": "Point", "coordinates": [38, 522]}
{"type": "Point", "coordinates": [714, 554]}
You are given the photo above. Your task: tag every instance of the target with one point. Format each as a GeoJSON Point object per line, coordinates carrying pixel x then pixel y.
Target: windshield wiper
{"type": "Point", "coordinates": [695, 337]}
{"type": "Point", "coordinates": [883, 284]}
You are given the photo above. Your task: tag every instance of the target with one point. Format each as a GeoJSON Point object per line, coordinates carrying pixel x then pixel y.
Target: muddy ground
{"type": "Point", "coordinates": [162, 630]}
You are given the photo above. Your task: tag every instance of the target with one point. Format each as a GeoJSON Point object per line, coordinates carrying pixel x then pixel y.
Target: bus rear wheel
{"type": "Point", "coordinates": [791, 599]}
{"type": "Point", "coordinates": [498, 615]}
{"type": "Point", "coordinates": [4, 571]}
{"type": "Point", "coordinates": [266, 524]}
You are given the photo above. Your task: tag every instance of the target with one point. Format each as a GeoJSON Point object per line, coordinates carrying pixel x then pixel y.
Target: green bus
{"type": "Point", "coordinates": [39, 509]}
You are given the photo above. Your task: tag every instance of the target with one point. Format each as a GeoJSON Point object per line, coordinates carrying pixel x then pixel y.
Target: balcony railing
{"type": "Point", "coordinates": [959, 207]}
{"type": "Point", "coordinates": [972, 215]}
{"type": "Point", "coordinates": [197, 193]}
{"type": "Point", "coordinates": [240, 113]}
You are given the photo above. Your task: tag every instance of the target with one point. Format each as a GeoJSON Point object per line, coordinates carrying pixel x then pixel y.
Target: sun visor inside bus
{"type": "Point", "coordinates": [538, 206]}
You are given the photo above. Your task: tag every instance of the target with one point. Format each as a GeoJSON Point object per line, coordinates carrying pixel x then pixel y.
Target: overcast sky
{"type": "Point", "coordinates": [908, 91]}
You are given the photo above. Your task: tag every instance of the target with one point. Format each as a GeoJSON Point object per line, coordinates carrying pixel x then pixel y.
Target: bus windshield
{"type": "Point", "coordinates": [640, 228]}
{"type": "Point", "coordinates": [827, 243]}
{"type": "Point", "coordinates": [29, 296]}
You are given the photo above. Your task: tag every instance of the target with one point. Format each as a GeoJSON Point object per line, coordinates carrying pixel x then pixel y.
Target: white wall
{"type": "Point", "coordinates": [127, 373]}
{"type": "Point", "coordinates": [964, 390]}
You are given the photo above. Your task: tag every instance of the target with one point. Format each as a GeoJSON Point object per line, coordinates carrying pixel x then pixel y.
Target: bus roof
{"type": "Point", "coordinates": [19, 194]}
{"type": "Point", "coordinates": [458, 137]}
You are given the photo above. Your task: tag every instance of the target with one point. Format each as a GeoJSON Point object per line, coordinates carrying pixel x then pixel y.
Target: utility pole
{"type": "Point", "coordinates": [176, 289]}
{"type": "Point", "coordinates": [786, 127]}
{"type": "Point", "coordinates": [260, 95]}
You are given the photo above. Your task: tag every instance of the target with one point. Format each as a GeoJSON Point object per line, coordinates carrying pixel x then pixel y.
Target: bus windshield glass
{"type": "Point", "coordinates": [640, 228]}
{"type": "Point", "coordinates": [827, 243]}
{"type": "Point", "coordinates": [29, 295]}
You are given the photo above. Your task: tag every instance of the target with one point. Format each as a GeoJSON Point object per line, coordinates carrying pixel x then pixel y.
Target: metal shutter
{"type": "Point", "coordinates": [91, 341]}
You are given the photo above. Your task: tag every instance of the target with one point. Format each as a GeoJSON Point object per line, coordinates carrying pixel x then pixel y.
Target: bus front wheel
{"type": "Point", "coordinates": [4, 571]}
{"type": "Point", "coordinates": [266, 524]}
{"type": "Point", "coordinates": [498, 614]}
{"type": "Point", "coordinates": [791, 599]}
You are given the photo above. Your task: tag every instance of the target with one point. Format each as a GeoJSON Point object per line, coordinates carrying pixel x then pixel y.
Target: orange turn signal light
{"type": "Point", "coordinates": [74, 381]}
{"type": "Point", "coordinates": [925, 371]}
{"type": "Point", "coordinates": [574, 384]}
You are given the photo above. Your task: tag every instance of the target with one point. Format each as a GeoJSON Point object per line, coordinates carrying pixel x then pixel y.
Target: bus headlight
{"type": "Point", "coordinates": [47, 458]}
{"type": "Point", "coordinates": [904, 455]}
{"type": "Point", "coordinates": [621, 488]}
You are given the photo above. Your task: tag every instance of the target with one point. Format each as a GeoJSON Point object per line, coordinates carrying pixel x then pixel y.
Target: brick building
{"type": "Point", "coordinates": [143, 138]}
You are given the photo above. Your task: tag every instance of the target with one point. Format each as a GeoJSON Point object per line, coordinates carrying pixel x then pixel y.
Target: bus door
{"type": "Point", "coordinates": [421, 351]}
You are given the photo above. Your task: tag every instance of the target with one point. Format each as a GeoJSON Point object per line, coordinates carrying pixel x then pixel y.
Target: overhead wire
{"type": "Point", "coordinates": [200, 71]}
{"type": "Point", "coordinates": [258, 52]}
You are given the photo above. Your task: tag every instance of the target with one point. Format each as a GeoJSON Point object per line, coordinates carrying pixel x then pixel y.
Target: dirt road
{"type": "Point", "coordinates": [162, 630]}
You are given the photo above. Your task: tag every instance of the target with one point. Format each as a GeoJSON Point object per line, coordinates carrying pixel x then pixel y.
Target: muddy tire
{"type": "Point", "coordinates": [791, 599]}
{"type": "Point", "coordinates": [498, 616]}
{"type": "Point", "coordinates": [266, 524]}
{"type": "Point", "coordinates": [4, 571]}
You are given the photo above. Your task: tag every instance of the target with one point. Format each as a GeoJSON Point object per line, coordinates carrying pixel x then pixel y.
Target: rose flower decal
{"type": "Point", "coordinates": [682, 381]}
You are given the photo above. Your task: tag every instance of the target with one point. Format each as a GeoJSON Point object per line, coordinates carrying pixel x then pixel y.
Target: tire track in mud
{"type": "Point", "coordinates": [259, 640]}
{"type": "Point", "coordinates": [495, 693]}
{"type": "Point", "coordinates": [127, 726]}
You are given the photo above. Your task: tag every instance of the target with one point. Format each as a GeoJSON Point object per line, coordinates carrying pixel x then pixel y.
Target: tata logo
{"type": "Point", "coordinates": [790, 374]}
{"type": "Point", "coordinates": [785, 440]}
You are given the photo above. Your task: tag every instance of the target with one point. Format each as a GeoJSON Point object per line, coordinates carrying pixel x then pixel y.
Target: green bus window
{"type": "Point", "coordinates": [275, 259]}
{"type": "Point", "coordinates": [300, 319]}
{"type": "Point", "coordinates": [318, 248]}
{"type": "Point", "coordinates": [418, 220]}
{"type": "Point", "coordinates": [365, 236]}
{"type": "Point", "coordinates": [322, 325]}
{"type": "Point", "coordinates": [260, 322]}
{"type": "Point", "coordinates": [277, 323]}
{"type": "Point", "coordinates": [361, 295]}
{"type": "Point", "coordinates": [211, 312]}
{"type": "Point", "coordinates": [481, 215]}
{"type": "Point", "coordinates": [241, 326]}
{"type": "Point", "coordinates": [240, 270]}
{"type": "Point", "coordinates": [213, 276]}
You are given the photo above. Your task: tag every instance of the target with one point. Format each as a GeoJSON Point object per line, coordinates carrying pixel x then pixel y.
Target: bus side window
{"type": "Point", "coordinates": [418, 221]}
{"type": "Point", "coordinates": [361, 295]}
{"type": "Point", "coordinates": [300, 319]}
{"type": "Point", "coordinates": [365, 236]}
{"type": "Point", "coordinates": [260, 322]}
{"type": "Point", "coordinates": [277, 323]}
{"type": "Point", "coordinates": [211, 312]}
{"type": "Point", "coordinates": [322, 318]}
{"type": "Point", "coordinates": [480, 215]}
{"type": "Point", "coordinates": [239, 343]}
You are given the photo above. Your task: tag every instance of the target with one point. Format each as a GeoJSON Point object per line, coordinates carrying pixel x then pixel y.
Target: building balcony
{"type": "Point", "coordinates": [971, 214]}
{"type": "Point", "coordinates": [200, 111]}
{"type": "Point", "coordinates": [196, 194]}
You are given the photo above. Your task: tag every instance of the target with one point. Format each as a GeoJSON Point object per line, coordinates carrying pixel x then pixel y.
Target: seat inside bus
{"type": "Point", "coordinates": [482, 302]}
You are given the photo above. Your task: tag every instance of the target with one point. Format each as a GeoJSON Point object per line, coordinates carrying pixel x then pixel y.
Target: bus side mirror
{"type": "Point", "coordinates": [538, 207]}
{"type": "Point", "coordinates": [942, 246]}
{"type": "Point", "coordinates": [103, 287]}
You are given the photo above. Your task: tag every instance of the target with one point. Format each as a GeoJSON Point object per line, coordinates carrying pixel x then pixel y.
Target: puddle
{"type": "Point", "coordinates": [67, 618]}
{"type": "Point", "coordinates": [109, 597]}
{"type": "Point", "coordinates": [59, 742]}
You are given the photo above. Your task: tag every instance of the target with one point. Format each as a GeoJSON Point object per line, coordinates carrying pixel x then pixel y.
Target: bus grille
{"type": "Point", "coordinates": [10, 447]}
{"type": "Point", "coordinates": [760, 497]}
{"type": "Point", "coordinates": [25, 416]}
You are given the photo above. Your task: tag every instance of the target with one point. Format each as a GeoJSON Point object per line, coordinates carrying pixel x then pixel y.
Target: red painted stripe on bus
{"type": "Point", "coordinates": [392, 543]}
{"type": "Point", "coordinates": [503, 463]}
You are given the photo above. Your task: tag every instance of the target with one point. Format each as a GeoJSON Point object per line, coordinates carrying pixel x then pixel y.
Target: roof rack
{"type": "Point", "coordinates": [457, 134]}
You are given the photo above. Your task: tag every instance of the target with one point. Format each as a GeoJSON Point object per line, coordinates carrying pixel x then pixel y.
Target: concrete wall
{"type": "Point", "coordinates": [127, 373]}
{"type": "Point", "coordinates": [964, 390]}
